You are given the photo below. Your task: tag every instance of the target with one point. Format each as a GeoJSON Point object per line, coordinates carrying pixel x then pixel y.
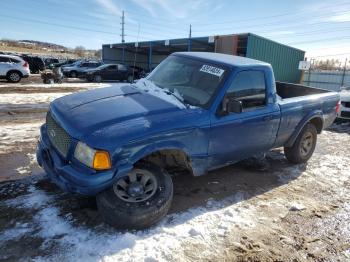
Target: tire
{"type": "Point", "coordinates": [304, 145]}
{"type": "Point", "coordinates": [97, 78]}
{"type": "Point", "coordinates": [73, 74]}
{"type": "Point", "coordinates": [14, 76]}
{"type": "Point", "coordinates": [130, 79]}
{"type": "Point", "coordinates": [122, 214]}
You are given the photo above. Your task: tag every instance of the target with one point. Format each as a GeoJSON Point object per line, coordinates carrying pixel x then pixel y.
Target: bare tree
{"type": "Point", "coordinates": [80, 51]}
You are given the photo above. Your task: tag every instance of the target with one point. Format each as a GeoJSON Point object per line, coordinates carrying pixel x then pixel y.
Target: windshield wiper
{"type": "Point", "coordinates": [167, 91]}
{"type": "Point", "coordinates": [181, 99]}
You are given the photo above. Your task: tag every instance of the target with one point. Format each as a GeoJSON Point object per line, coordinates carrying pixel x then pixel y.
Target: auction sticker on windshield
{"type": "Point", "coordinates": [212, 70]}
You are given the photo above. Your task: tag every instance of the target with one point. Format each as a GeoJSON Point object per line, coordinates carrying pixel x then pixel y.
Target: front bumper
{"type": "Point", "coordinates": [68, 177]}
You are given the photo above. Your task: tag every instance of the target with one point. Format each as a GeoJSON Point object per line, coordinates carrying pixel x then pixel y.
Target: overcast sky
{"type": "Point", "coordinates": [321, 28]}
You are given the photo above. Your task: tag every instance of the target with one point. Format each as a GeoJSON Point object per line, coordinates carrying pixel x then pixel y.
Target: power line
{"type": "Point", "coordinates": [59, 25]}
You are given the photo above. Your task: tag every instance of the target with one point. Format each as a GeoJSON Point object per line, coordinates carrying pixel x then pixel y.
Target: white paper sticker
{"type": "Point", "coordinates": [212, 70]}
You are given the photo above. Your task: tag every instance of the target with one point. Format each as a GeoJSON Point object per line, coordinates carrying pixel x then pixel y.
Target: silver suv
{"type": "Point", "coordinates": [13, 68]}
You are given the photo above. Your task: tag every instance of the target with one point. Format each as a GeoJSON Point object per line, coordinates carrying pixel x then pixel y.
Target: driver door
{"type": "Point", "coordinates": [237, 136]}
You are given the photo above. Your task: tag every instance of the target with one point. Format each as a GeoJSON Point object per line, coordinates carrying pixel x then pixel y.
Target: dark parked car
{"type": "Point", "coordinates": [110, 72]}
{"type": "Point", "coordinates": [36, 63]}
{"type": "Point", "coordinates": [49, 61]}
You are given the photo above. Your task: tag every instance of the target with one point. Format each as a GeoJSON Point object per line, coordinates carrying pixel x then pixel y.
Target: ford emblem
{"type": "Point", "coordinates": [52, 133]}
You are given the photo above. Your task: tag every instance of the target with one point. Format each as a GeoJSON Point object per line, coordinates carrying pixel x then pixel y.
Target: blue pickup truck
{"type": "Point", "coordinates": [195, 111]}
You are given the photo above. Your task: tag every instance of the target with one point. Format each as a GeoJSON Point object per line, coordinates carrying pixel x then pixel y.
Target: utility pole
{"type": "Point", "coordinates": [344, 71]}
{"type": "Point", "coordinates": [189, 39]}
{"type": "Point", "coordinates": [123, 23]}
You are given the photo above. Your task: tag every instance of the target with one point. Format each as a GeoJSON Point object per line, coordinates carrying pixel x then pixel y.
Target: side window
{"type": "Point", "coordinates": [112, 67]}
{"type": "Point", "coordinates": [122, 68]}
{"type": "Point", "coordinates": [249, 88]}
{"type": "Point", "coordinates": [84, 65]}
{"type": "Point", "coordinates": [4, 60]}
{"type": "Point", "coordinates": [15, 61]}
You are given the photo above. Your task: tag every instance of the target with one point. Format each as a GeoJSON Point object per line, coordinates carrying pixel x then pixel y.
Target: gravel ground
{"type": "Point", "coordinates": [286, 213]}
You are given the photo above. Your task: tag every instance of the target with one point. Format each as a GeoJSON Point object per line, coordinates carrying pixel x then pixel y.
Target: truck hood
{"type": "Point", "coordinates": [99, 115]}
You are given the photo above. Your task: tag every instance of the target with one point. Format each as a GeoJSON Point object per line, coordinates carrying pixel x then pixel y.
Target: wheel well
{"type": "Point", "coordinates": [318, 123]}
{"type": "Point", "coordinates": [17, 71]}
{"type": "Point", "coordinates": [169, 159]}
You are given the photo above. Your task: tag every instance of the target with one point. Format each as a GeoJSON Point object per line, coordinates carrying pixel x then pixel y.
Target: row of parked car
{"type": "Point", "coordinates": [96, 71]}
{"type": "Point", "coordinates": [15, 67]}
{"type": "Point", "coordinates": [39, 63]}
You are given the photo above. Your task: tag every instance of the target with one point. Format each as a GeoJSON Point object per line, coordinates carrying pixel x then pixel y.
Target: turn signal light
{"type": "Point", "coordinates": [101, 160]}
{"type": "Point", "coordinates": [337, 108]}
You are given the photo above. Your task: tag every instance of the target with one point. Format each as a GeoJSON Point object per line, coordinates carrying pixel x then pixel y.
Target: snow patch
{"type": "Point", "coordinates": [13, 134]}
{"type": "Point", "coordinates": [160, 243]}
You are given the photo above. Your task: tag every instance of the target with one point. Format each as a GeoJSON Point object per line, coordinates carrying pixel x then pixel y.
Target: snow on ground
{"type": "Point", "coordinates": [56, 86]}
{"type": "Point", "coordinates": [13, 134]}
{"type": "Point", "coordinates": [161, 243]}
{"type": "Point", "coordinates": [32, 98]}
{"type": "Point", "coordinates": [198, 232]}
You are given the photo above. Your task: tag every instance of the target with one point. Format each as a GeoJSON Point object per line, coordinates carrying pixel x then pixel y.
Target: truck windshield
{"type": "Point", "coordinates": [195, 81]}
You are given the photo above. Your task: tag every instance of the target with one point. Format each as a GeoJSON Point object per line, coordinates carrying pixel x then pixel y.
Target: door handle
{"type": "Point", "coordinates": [267, 118]}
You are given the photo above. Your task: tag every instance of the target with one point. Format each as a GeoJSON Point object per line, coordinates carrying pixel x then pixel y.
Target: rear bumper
{"type": "Point", "coordinates": [68, 177]}
{"type": "Point", "coordinates": [344, 113]}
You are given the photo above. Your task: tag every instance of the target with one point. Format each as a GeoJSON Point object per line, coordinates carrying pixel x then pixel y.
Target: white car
{"type": "Point", "coordinates": [13, 68]}
{"type": "Point", "coordinates": [345, 103]}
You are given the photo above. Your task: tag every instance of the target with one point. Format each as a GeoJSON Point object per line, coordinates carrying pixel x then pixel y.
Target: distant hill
{"type": "Point", "coordinates": [43, 44]}
{"type": "Point", "coordinates": [46, 49]}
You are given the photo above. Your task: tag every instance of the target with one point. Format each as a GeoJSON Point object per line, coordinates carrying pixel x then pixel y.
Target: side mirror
{"type": "Point", "coordinates": [231, 105]}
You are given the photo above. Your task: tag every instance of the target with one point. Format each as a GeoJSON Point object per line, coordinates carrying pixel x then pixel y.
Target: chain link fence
{"type": "Point", "coordinates": [327, 79]}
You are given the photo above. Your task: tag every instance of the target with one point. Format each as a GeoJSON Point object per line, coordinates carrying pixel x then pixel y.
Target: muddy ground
{"type": "Point", "coordinates": [285, 213]}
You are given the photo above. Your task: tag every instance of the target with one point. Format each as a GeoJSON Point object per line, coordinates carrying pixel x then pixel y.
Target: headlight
{"type": "Point", "coordinates": [96, 159]}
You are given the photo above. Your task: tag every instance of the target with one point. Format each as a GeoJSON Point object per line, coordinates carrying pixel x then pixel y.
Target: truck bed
{"type": "Point", "coordinates": [298, 102]}
{"type": "Point", "coordinates": [288, 90]}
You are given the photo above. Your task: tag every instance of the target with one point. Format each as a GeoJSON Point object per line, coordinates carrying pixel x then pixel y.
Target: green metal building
{"type": "Point", "coordinates": [284, 59]}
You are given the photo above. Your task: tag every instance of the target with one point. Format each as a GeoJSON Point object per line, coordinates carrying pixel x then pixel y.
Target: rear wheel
{"type": "Point", "coordinates": [303, 147]}
{"type": "Point", "coordinates": [97, 78]}
{"type": "Point", "coordinates": [14, 77]}
{"type": "Point", "coordinates": [138, 200]}
{"type": "Point", "coordinates": [73, 74]}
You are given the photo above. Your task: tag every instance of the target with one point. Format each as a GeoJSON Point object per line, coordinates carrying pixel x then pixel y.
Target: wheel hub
{"type": "Point", "coordinates": [306, 144]}
{"type": "Point", "coordinates": [135, 189]}
{"type": "Point", "coordinates": [139, 185]}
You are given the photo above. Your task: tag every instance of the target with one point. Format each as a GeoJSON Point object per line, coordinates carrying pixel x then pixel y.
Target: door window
{"type": "Point", "coordinates": [122, 68]}
{"type": "Point", "coordinates": [112, 67]}
{"type": "Point", "coordinates": [249, 88]}
{"type": "Point", "coordinates": [4, 60]}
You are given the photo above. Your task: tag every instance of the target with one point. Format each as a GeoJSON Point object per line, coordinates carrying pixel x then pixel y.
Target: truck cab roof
{"type": "Point", "coordinates": [229, 60]}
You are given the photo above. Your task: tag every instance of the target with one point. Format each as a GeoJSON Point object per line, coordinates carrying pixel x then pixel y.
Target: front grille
{"type": "Point", "coordinates": [345, 114]}
{"type": "Point", "coordinates": [57, 135]}
{"type": "Point", "coordinates": [345, 104]}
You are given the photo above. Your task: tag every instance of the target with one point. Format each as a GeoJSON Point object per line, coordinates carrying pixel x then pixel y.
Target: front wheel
{"type": "Point", "coordinates": [304, 145]}
{"type": "Point", "coordinates": [138, 200]}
